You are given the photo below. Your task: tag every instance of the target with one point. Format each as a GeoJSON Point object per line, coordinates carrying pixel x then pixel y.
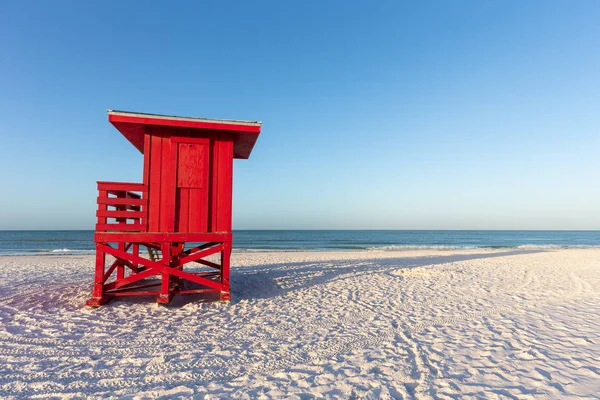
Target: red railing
{"type": "Point", "coordinates": [129, 207]}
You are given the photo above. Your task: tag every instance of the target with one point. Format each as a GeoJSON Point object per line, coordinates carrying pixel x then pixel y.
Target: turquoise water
{"type": "Point", "coordinates": [81, 242]}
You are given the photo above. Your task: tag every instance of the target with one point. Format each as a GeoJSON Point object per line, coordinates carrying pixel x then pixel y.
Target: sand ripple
{"type": "Point", "coordinates": [420, 324]}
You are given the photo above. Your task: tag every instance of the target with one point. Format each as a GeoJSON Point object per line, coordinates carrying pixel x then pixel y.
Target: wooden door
{"type": "Point", "coordinates": [192, 183]}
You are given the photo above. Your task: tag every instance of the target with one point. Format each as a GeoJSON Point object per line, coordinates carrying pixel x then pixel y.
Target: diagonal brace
{"type": "Point", "coordinates": [201, 247]}
{"type": "Point", "coordinates": [200, 254]}
{"type": "Point", "coordinates": [153, 269]}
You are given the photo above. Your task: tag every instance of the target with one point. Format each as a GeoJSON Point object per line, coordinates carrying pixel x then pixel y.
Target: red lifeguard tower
{"type": "Point", "coordinates": [180, 214]}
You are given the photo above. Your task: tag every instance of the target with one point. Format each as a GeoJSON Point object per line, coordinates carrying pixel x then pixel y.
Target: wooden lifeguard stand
{"type": "Point", "coordinates": [180, 214]}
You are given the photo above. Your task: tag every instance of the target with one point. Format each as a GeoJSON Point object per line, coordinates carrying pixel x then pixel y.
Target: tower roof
{"type": "Point", "coordinates": [133, 126]}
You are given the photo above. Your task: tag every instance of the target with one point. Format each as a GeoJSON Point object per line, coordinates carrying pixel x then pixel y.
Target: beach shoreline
{"type": "Point", "coordinates": [399, 324]}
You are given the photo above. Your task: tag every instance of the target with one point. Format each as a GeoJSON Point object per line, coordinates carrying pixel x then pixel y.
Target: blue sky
{"type": "Point", "coordinates": [376, 115]}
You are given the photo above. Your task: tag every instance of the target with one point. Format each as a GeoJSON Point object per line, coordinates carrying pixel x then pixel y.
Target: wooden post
{"type": "Point", "coordinates": [120, 266]}
{"type": "Point", "coordinates": [136, 252]}
{"type": "Point", "coordinates": [165, 294]}
{"type": "Point", "coordinates": [98, 297]}
{"type": "Point", "coordinates": [225, 265]}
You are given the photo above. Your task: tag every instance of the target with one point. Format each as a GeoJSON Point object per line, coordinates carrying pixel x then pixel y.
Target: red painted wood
{"type": "Point", "coordinates": [136, 252]}
{"type": "Point", "coordinates": [213, 180]}
{"type": "Point", "coordinates": [206, 273]}
{"type": "Point", "coordinates": [124, 194]}
{"type": "Point", "coordinates": [135, 287]}
{"type": "Point", "coordinates": [186, 196]}
{"type": "Point", "coordinates": [130, 279]}
{"type": "Point", "coordinates": [185, 124]}
{"type": "Point", "coordinates": [225, 257]}
{"type": "Point", "coordinates": [102, 207]}
{"type": "Point", "coordinates": [165, 182]}
{"type": "Point", "coordinates": [121, 266]}
{"type": "Point", "coordinates": [155, 181]}
{"type": "Point", "coordinates": [128, 186]}
{"type": "Point", "coordinates": [121, 227]}
{"type": "Point", "coordinates": [183, 210]}
{"type": "Point", "coordinates": [120, 201]}
{"type": "Point", "coordinates": [110, 270]}
{"type": "Point", "coordinates": [192, 164]}
{"type": "Point", "coordinates": [153, 268]}
{"type": "Point", "coordinates": [120, 214]}
{"type": "Point", "coordinates": [201, 254]}
{"type": "Point", "coordinates": [97, 291]}
{"type": "Point", "coordinates": [147, 155]}
{"type": "Point", "coordinates": [227, 184]}
{"type": "Point", "coordinates": [192, 159]}
{"type": "Point", "coordinates": [149, 237]}
{"type": "Point", "coordinates": [209, 264]}
{"type": "Point", "coordinates": [169, 184]}
{"type": "Point", "coordinates": [123, 263]}
{"type": "Point", "coordinates": [198, 248]}
{"type": "Point", "coordinates": [146, 171]}
{"type": "Point", "coordinates": [165, 294]}
{"type": "Point", "coordinates": [220, 167]}
{"type": "Point", "coordinates": [222, 198]}
{"type": "Point", "coordinates": [198, 210]}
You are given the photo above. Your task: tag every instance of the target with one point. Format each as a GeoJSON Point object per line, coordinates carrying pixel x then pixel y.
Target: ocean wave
{"type": "Point", "coordinates": [64, 251]}
{"type": "Point", "coordinates": [555, 246]}
{"type": "Point", "coordinates": [270, 249]}
{"type": "Point", "coordinates": [407, 247]}
{"type": "Point", "coordinates": [349, 247]}
{"type": "Point", "coordinates": [482, 247]}
{"type": "Point", "coordinates": [71, 251]}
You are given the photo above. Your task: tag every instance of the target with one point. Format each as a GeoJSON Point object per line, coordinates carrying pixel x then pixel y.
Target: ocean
{"type": "Point", "coordinates": [81, 242]}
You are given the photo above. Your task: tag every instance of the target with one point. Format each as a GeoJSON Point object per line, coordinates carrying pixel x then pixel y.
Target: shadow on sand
{"type": "Point", "coordinates": [264, 281]}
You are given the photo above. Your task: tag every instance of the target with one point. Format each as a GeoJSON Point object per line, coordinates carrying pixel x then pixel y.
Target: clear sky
{"type": "Point", "coordinates": [376, 115]}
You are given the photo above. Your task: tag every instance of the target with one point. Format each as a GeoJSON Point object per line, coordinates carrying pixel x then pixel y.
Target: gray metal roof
{"type": "Point", "coordinates": [176, 118]}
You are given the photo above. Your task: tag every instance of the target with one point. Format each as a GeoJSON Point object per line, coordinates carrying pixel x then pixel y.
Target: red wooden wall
{"type": "Point", "coordinates": [189, 175]}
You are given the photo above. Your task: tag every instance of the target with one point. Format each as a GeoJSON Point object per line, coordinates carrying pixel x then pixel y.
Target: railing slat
{"type": "Point", "coordinates": [120, 186]}
{"type": "Point", "coordinates": [121, 201]}
{"type": "Point", "coordinates": [128, 195]}
{"type": "Point", "coordinates": [120, 214]}
{"type": "Point", "coordinates": [121, 227]}
{"type": "Point", "coordinates": [102, 207]}
{"type": "Point", "coordinates": [130, 205]}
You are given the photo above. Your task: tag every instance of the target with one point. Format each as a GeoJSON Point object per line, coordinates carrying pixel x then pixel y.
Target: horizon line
{"type": "Point", "coordinates": [356, 229]}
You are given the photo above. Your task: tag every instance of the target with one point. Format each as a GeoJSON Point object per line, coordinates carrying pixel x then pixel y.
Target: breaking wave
{"type": "Point", "coordinates": [407, 247]}
{"type": "Point", "coordinates": [467, 247]}
{"type": "Point", "coordinates": [47, 252]}
{"type": "Point", "coordinates": [71, 251]}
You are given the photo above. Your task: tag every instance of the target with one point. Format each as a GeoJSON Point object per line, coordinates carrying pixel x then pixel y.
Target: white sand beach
{"type": "Point", "coordinates": [373, 324]}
